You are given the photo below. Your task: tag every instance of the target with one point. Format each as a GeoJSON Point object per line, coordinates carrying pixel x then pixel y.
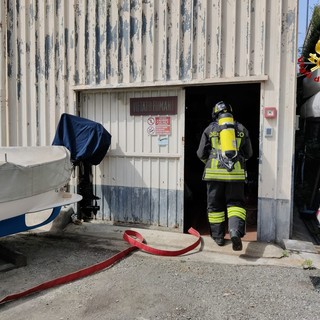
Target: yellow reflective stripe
{"type": "Point", "coordinates": [238, 143]}
{"type": "Point", "coordinates": [213, 134]}
{"type": "Point", "coordinates": [222, 174]}
{"type": "Point", "coordinates": [214, 142]}
{"type": "Point", "coordinates": [237, 167]}
{"type": "Point", "coordinates": [225, 178]}
{"type": "Point", "coordinates": [214, 163]}
{"type": "Point", "coordinates": [216, 217]}
{"type": "Point", "coordinates": [214, 167]}
{"type": "Point", "coordinates": [237, 212]}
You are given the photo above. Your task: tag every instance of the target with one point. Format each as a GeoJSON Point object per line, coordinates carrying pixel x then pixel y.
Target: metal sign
{"type": "Point", "coordinates": [153, 106]}
{"type": "Point", "coordinates": [159, 126]}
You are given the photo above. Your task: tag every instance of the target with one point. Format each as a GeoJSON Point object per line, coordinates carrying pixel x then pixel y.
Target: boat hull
{"type": "Point", "coordinates": [44, 201]}
{"type": "Point", "coordinates": [33, 179]}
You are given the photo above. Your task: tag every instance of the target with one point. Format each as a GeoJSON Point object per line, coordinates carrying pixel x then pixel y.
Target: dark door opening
{"type": "Point", "coordinates": [245, 101]}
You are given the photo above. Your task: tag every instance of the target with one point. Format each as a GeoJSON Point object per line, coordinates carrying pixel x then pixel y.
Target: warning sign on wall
{"type": "Point", "coordinates": [159, 126]}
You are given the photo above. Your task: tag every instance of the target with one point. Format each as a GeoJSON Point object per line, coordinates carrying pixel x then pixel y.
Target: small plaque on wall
{"type": "Point", "coordinates": [153, 106]}
{"type": "Point", "coordinates": [159, 126]}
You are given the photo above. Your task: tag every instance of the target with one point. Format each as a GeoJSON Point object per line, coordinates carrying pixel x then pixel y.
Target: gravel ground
{"type": "Point", "coordinates": [143, 286]}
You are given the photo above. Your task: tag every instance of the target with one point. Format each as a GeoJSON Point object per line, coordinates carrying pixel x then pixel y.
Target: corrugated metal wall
{"type": "Point", "coordinates": [3, 91]}
{"type": "Point", "coordinates": [53, 47]}
{"type": "Point", "coordinates": [40, 68]}
{"type": "Point", "coordinates": [139, 181]}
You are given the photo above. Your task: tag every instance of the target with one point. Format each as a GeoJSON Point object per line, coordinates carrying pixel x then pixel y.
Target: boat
{"type": "Point", "coordinates": [33, 179]}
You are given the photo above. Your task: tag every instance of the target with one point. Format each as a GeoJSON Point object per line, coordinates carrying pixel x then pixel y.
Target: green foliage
{"type": "Point", "coordinates": [307, 264]}
{"type": "Point", "coordinates": [285, 253]}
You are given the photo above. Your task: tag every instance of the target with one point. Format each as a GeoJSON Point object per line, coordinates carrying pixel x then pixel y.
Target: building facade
{"type": "Point", "coordinates": [98, 58]}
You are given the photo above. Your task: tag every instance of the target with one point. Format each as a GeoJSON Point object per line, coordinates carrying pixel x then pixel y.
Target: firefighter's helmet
{"type": "Point", "coordinates": [221, 107]}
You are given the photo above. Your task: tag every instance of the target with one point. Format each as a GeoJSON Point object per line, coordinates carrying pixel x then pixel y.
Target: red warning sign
{"type": "Point", "coordinates": [163, 126]}
{"type": "Point", "coordinates": [159, 126]}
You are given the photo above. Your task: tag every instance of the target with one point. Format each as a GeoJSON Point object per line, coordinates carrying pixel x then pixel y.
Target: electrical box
{"type": "Point", "coordinates": [268, 132]}
{"type": "Point", "coordinates": [270, 112]}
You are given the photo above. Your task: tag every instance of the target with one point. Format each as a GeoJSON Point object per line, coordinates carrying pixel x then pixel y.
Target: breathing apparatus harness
{"type": "Point", "coordinates": [227, 156]}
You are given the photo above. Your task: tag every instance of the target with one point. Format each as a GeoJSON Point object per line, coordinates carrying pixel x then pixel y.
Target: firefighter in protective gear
{"type": "Point", "coordinates": [225, 173]}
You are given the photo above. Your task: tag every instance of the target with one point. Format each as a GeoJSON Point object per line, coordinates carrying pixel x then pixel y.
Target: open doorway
{"type": "Point", "coordinates": [245, 101]}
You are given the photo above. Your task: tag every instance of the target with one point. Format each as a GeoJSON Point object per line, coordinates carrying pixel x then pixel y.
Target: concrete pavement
{"type": "Point", "coordinates": [253, 253]}
{"type": "Point", "coordinates": [291, 253]}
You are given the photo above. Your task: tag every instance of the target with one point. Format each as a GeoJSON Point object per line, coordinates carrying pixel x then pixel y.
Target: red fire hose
{"type": "Point", "coordinates": [132, 237]}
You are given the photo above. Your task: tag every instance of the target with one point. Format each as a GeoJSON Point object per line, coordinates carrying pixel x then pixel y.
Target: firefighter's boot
{"type": "Point", "coordinates": [218, 232]}
{"type": "Point", "coordinates": [219, 241]}
{"type": "Point", "coordinates": [236, 240]}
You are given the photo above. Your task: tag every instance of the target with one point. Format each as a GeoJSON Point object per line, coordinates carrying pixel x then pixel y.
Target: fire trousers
{"type": "Point", "coordinates": [226, 197]}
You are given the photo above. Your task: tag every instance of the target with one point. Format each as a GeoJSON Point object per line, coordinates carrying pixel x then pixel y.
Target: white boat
{"type": "Point", "coordinates": [32, 179]}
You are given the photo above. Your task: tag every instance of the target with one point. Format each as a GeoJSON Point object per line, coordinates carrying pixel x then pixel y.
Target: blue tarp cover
{"type": "Point", "coordinates": [86, 140]}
